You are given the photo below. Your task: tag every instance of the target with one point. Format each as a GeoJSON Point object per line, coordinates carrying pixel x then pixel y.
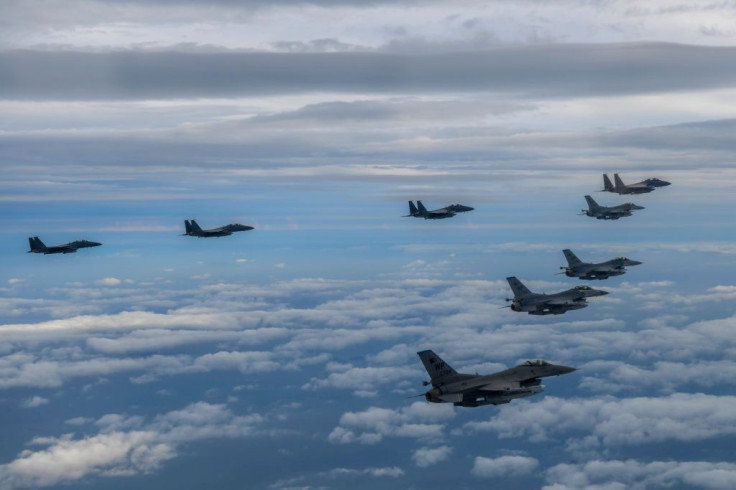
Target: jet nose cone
{"type": "Point", "coordinates": [566, 369]}
{"type": "Point", "coordinates": [664, 183]}
{"type": "Point", "coordinates": [636, 206]}
{"type": "Point", "coordinates": [94, 244]}
{"type": "Point", "coordinates": [633, 262]}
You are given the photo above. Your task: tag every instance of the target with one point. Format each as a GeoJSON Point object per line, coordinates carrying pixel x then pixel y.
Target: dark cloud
{"type": "Point", "coordinates": [543, 71]}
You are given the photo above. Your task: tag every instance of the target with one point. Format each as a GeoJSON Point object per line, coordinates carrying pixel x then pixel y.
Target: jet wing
{"type": "Point", "coordinates": [559, 306]}
{"type": "Point", "coordinates": [508, 379]}
{"type": "Point", "coordinates": [62, 249]}
{"type": "Point", "coordinates": [603, 272]}
{"type": "Point", "coordinates": [561, 302]}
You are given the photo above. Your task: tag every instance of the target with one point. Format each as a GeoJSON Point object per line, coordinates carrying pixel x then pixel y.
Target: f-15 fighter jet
{"type": "Point", "coordinates": [549, 304]}
{"type": "Point", "coordinates": [38, 247]}
{"type": "Point", "coordinates": [613, 212]}
{"type": "Point", "coordinates": [193, 229]}
{"type": "Point", "coordinates": [639, 188]}
{"type": "Point", "coordinates": [446, 212]}
{"type": "Point", "coordinates": [474, 390]}
{"type": "Point", "coordinates": [603, 270]}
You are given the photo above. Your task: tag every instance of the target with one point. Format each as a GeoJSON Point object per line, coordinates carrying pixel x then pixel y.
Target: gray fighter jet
{"type": "Point", "coordinates": [549, 304]}
{"type": "Point", "coordinates": [603, 270]}
{"type": "Point", "coordinates": [38, 247]}
{"type": "Point", "coordinates": [474, 390]}
{"type": "Point", "coordinates": [613, 212]}
{"type": "Point", "coordinates": [446, 212]}
{"type": "Point", "coordinates": [193, 229]}
{"type": "Point", "coordinates": [639, 188]}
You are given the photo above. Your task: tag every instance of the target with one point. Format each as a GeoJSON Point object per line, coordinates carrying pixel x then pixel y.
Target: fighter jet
{"type": "Point", "coordinates": [604, 270]}
{"type": "Point", "coordinates": [549, 304]}
{"type": "Point", "coordinates": [614, 212]}
{"type": "Point", "coordinates": [38, 247]}
{"type": "Point", "coordinates": [639, 188]}
{"type": "Point", "coordinates": [474, 390]}
{"type": "Point", "coordinates": [446, 212]}
{"type": "Point", "coordinates": [193, 229]}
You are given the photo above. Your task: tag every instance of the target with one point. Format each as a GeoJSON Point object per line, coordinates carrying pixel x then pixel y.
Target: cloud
{"type": "Point", "coordinates": [609, 422]}
{"type": "Point", "coordinates": [388, 471]}
{"type": "Point", "coordinates": [577, 70]}
{"type": "Point", "coordinates": [637, 474]}
{"type": "Point", "coordinates": [399, 317]}
{"type": "Point", "coordinates": [367, 377]}
{"type": "Point", "coordinates": [662, 376]}
{"type": "Point", "coordinates": [125, 446]}
{"type": "Point", "coordinates": [430, 456]}
{"type": "Point", "coordinates": [418, 421]}
{"type": "Point", "coordinates": [35, 401]}
{"type": "Point", "coordinates": [504, 466]}
{"type": "Point", "coordinates": [357, 474]}
{"type": "Point", "coordinates": [109, 281]}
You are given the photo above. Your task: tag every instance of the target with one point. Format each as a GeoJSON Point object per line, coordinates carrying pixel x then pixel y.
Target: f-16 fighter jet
{"type": "Point", "coordinates": [193, 229]}
{"type": "Point", "coordinates": [614, 212]}
{"type": "Point", "coordinates": [38, 247]}
{"type": "Point", "coordinates": [603, 270]}
{"type": "Point", "coordinates": [639, 188]}
{"type": "Point", "coordinates": [549, 304]}
{"type": "Point", "coordinates": [474, 390]}
{"type": "Point", "coordinates": [446, 212]}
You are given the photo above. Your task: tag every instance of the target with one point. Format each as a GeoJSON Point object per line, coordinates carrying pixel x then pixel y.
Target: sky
{"type": "Point", "coordinates": [284, 357]}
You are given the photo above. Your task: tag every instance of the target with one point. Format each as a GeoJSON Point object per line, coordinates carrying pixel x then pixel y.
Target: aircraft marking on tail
{"type": "Point", "coordinates": [572, 259]}
{"type": "Point", "coordinates": [520, 291]}
{"type": "Point", "coordinates": [591, 203]}
{"type": "Point", "coordinates": [435, 366]}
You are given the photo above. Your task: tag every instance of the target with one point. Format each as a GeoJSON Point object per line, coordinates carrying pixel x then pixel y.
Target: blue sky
{"type": "Point", "coordinates": [283, 357]}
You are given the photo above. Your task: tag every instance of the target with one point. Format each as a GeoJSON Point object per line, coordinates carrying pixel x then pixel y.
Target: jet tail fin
{"type": "Point", "coordinates": [422, 209]}
{"type": "Point", "coordinates": [520, 291]}
{"type": "Point", "coordinates": [413, 211]}
{"type": "Point", "coordinates": [620, 186]}
{"type": "Point", "coordinates": [195, 227]}
{"type": "Point", "coordinates": [607, 185]}
{"type": "Point", "coordinates": [36, 244]}
{"type": "Point", "coordinates": [572, 259]}
{"type": "Point", "coordinates": [592, 205]}
{"type": "Point", "coordinates": [187, 227]}
{"type": "Point", "coordinates": [435, 366]}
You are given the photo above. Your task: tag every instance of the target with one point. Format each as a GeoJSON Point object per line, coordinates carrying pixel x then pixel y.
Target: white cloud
{"type": "Point", "coordinates": [109, 281]}
{"type": "Point", "coordinates": [419, 420]}
{"type": "Point", "coordinates": [387, 471]}
{"type": "Point", "coordinates": [504, 466]}
{"type": "Point", "coordinates": [609, 422]}
{"type": "Point", "coordinates": [35, 401]}
{"type": "Point", "coordinates": [429, 456]}
{"type": "Point", "coordinates": [124, 446]}
{"type": "Point", "coordinates": [636, 474]}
